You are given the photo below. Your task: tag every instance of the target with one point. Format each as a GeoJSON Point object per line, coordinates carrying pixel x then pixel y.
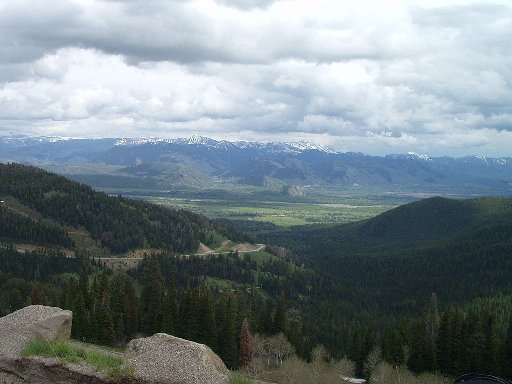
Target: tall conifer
{"type": "Point", "coordinates": [152, 296]}
{"type": "Point", "coordinates": [228, 345]}
{"type": "Point", "coordinates": [280, 317]}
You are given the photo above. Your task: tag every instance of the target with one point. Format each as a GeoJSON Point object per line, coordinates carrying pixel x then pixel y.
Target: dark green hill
{"type": "Point", "coordinates": [418, 224]}
{"type": "Point", "coordinates": [461, 249]}
{"type": "Point", "coordinates": [426, 221]}
{"type": "Point", "coordinates": [115, 223]}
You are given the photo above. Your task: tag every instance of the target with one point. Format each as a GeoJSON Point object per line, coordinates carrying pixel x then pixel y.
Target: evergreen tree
{"type": "Point", "coordinates": [80, 325]}
{"type": "Point", "coordinates": [83, 281]}
{"type": "Point", "coordinates": [118, 310]}
{"type": "Point", "coordinates": [474, 340]}
{"type": "Point", "coordinates": [170, 311]}
{"type": "Point", "coordinates": [152, 296]}
{"type": "Point", "coordinates": [450, 343]}
{"type": "Point", "coordinates": [394, 348]}
{"type": "Point", "coordinates": [105, 322]}
{"type": "Point", "coordinates": [280, 317]}
{"type": "Point", "coordinates": [418, 359]}
{"type": "Point", "coordinates": [361, 344]}
{"type": "Point", "coordinates": [444, 352]}
{"type": "Point", "coordinates": [189, 314]}
{"type": "Point", "coordinates": [37, 295]}
{"type": "Point", "coordinates": [105, 332]}
{"type": "Point", "coordinates": [227, 344]}
{"type": "Point", "coordinates": [458, 342]}
{"type": "Point", "coordinates": [431, 335]}
{"type": "Point", "coordinates": [490, 347]}
{"type": "Point", "coordinates": [131, 310]}
{"type": "Point", "coordinates": [267, 324]}
{"type": "Point", "coordinates": [207, 332]}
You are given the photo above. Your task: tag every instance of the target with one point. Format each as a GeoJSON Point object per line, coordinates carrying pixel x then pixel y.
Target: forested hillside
{"type": "Point", "coordinates": [200, 298]}
{"type": "Point", "coordinates": [116, 223]}
{"type": "Point", "coordinates": [391, 264]}
{"type": "Point", "coordinates": [457, 248]}
{"type": "Point", "coordinates": [361, 290]}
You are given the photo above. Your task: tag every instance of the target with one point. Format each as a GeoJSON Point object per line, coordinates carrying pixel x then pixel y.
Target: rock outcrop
{"type": "Point", "coordinates": [167, 359]}
{"type": "Point", "coordinates": [50, 323]}
{"type": "Point", "coordinates": [159, 359]}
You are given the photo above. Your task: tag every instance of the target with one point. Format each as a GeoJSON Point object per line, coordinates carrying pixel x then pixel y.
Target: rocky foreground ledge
{"type": "Point", "coordinates": [159, 359]}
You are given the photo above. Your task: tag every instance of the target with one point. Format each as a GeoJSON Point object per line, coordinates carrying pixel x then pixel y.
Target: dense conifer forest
{"type": "Point", "coordinates": [439, 302]}
{"type": "Point", "coordinates": [119, 224]}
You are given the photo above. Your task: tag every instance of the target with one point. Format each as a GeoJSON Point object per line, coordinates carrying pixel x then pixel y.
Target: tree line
{"type": "Point", "coordinates": [177, 295]}
{"type": "Point", "coordinates": [476, 337]}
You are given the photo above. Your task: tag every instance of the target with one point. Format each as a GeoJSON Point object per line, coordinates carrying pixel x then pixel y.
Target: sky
{"type": "Point", "coordinates": [373, 76]}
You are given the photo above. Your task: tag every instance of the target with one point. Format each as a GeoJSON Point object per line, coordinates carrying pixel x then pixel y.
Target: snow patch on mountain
{"type": "Point", "coordinates": [273, 146]}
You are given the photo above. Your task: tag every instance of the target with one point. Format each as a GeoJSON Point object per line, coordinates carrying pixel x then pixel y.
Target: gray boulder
{"type": "Point", "coordinates": [162, 358]}
{"type": "Point", "coordinates": [50, 323]}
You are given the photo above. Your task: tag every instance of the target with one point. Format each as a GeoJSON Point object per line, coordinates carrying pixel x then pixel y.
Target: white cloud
{"type": "Point", "coordinates": [375, 76]}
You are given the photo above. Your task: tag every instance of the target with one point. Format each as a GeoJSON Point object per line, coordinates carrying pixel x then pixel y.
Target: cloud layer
{"type": "Point", "coordinates": [375, 76]}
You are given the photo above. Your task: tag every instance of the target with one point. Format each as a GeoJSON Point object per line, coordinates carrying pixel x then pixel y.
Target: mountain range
{"type": "Point", "coordinates": [200, 162]}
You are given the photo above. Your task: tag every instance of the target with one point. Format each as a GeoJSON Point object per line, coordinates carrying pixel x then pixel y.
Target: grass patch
{"type": "Point", "coordinates": [102, 362]}
{"type": "Point", "coordinates": [237, 378]}
{"type": "Point", "coordinates": [217, 240]}
{"type": "Point", "coordinates": [221, 284]}
{"type": "Point", "coordinates": [259, 257]}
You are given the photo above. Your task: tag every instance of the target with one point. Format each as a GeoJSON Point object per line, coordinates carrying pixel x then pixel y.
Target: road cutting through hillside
{"type": "Point", "coordinates": [126, 263]}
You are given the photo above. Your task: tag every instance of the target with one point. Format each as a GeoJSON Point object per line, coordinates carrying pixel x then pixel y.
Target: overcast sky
{"type": "Point", "coordinates": [382, 76]}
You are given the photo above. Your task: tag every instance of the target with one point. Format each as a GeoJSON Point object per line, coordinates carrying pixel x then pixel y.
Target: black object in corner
{"type": "Point", "coordinates": [475, 378]}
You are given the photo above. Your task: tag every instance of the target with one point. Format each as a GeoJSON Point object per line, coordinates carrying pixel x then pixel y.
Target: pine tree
{"type": "Point", "coordinates": [474, 340]}
{"type": "Point", "coordinates": [189, 314]}
{"type": "Point", "coordinates": [267, 325]}
{"type": "Point", "coordinates": [37, 295]}
{"type": "Point", "coordinates": [207, 332]}
{"type": "Point", "coordinates": [449, 351]}
{"type": "Point", "coordinates": [245, 350]}
{"type": "Point", "coordinates": [170, 312]}
{"type": "Point", "coordinates": [130, 305]}
{"type": "Point", "coordinates": [357, 350]}
{"type": "Point", "coordinates": [152, 296]}
{"type": "Point", "coordinates": [93, 319]}
{"type": "Point", "coordinates": [394, 348]}
{"type": "Point", "coordinates": [117, 305]}
{"type": "Point", "coordinates": [431, 334]}
{"type": "Point", "coordinates": [280, 317]}
{"type": "Point", "coordinates": [83, 281]}
{"type": "Point", "coordinates": [227, 343]}
{"type": "Point", "coordinates": [444, 352]}
{"type": "Point", "coordinates": [418, 359]}
{"type": "Point", "coordinates": [80, 322]}
{"type": "Point", "coordinates": [104, 321]}
{"type": "Point", "coordinates": [458, 342]}
{"type": "Point", "coordinates": [490, 348]}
